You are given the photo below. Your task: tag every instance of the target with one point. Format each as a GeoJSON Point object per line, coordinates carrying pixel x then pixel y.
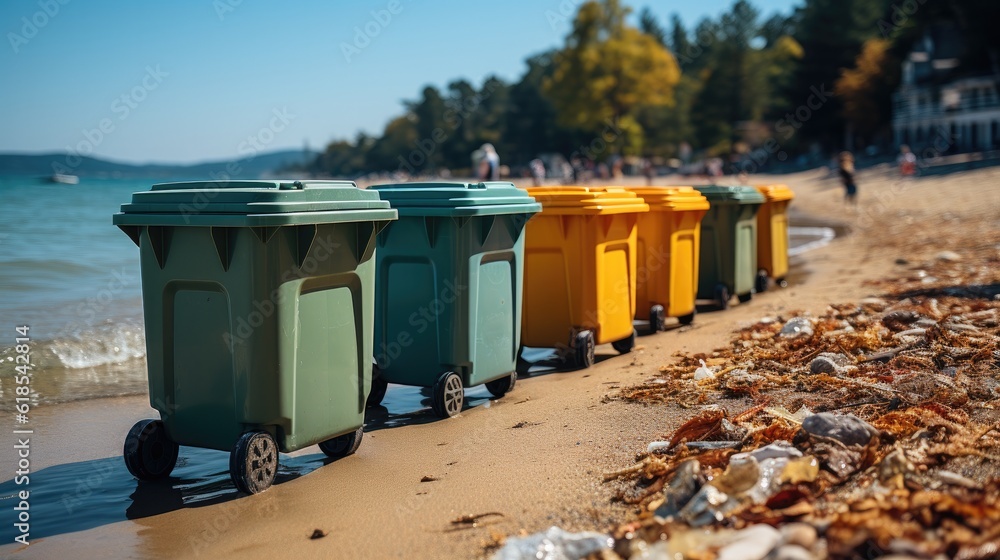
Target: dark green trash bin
{"type": "Point", "coordinates": [448, 298]}
{"type": "Point", "coordinates": [728, 261]}
{"type": "Point", "coordinates": [258, 299]}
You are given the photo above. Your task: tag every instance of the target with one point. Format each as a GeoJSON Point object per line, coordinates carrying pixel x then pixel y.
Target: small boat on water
{"type": "Point", "coordinates": [64, 179]}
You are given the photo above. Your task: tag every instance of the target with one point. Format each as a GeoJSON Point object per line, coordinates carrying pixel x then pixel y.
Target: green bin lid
{"type": "Point", "coordinates": [457, 199]}
{"type": "Point", "coordinates": [253, 203]}
{"type": "Point", "coordinates": [718, 194]}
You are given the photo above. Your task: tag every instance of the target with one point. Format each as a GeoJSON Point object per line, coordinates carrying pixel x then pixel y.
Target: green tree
{"type": "Point", "coordinates": [831, 33]}
{"type": "Point", "coordinates": [865, 91]}
{"type": "Point", "coordinates": [680, 43]}
{"type": "Point", "coordinates": [649, 25]}
{"type": "Point", "coordinates": [606, 71]}
{"type": "Point", "coordinates": [396, 148]}
{"type": "Point", "coordinates": [430, 126]}
{"type": "Point", "coordinates": [531, 127]}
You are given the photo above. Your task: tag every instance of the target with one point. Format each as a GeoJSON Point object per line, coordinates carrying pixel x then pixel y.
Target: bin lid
{"type": "Point", "coordinates": [676, 199]}
{"type": "Point", "coordinates": [587, 200]}
{"type": "Point", "coordinates": [776, 193]}
{"type": "Point", "coordinates": [253, 203]}
{"type": "Point", "coordinates": [457, 199]}
{"type": "Point", "coordinates": [718, 194]}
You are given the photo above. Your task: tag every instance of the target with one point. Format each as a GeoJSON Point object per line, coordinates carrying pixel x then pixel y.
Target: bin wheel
{"type": "Point", "coordinates": [379, 386]}
{"type": "Point", "coordinates": [745, 297]}
{"type": "Point", "coordinates": [149, 454]}
{"type": "Point", "coordinates": [584, 349]}
{"type": "Point", "coordinates": [253, 462]}
{"type": "Point", "coordinates": [687, 319]}
{"type": "Point", "coordinates": [625, 345]}
{"type": "Point", "coordinates": [342, 446]}
{"type": "Point", "coordinates": [782, 282]}
{"type": "Point", "coordinates": [761, 281]}
{"type": "Point", "coordinates": [448, 395]}
{"type": "Point", "coordinates": [722, 296]}
{"type": "Point", "coordinates": [502, 386]}
{"type": "Point", "coordinates": [657, 318]}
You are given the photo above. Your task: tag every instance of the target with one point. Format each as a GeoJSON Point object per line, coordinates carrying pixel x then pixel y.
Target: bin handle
{"type": "Point", "coordinates": [296, 185]}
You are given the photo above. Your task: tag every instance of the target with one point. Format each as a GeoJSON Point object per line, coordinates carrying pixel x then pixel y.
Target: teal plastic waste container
{"type": "Point", "coordinates": [448, 297]}
{"type": "Point", "coordinates": [728, 255]}
{"type": "Point", "coordinates": [258, 299]}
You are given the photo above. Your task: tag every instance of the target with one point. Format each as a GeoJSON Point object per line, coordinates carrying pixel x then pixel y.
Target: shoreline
{"type": "Point", "coordinates": [537, 456]}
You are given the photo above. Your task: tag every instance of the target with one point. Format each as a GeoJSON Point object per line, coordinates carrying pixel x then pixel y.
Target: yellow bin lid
{"type": "Point", "coordinates": [776, 193]}
{"type": "Point", "coordinates": [671, 199]}
{"type": "Point", "coordinates": [587, 200]}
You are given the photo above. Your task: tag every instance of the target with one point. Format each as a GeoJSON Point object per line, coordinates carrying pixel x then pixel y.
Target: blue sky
{"type": "Point", "coordinates": [188, 80]}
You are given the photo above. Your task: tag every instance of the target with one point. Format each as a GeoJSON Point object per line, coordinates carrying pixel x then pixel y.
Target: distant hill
{"type": "Point", "coordinates": [263, 164]}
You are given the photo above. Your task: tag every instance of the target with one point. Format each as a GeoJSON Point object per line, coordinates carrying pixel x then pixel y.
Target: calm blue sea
{"type": "Point", "coordinates": [73, 278]}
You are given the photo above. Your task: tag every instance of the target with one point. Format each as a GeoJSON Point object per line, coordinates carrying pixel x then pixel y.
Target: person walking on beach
{"type": "Point", "coordinates": [489, 165]}
{"type": "Point", "coordinates": [846, 170]}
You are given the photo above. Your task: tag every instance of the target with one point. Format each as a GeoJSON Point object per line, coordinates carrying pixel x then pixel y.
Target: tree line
{"type": "Point", "coordinates": [737, 86]}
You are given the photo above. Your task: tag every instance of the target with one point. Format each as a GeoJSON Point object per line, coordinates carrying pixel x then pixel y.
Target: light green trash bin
{"type": "Point", "coordinates": [728, 262]}
{"type": "Point", "coordinates": [449, 280]}
{"type": "Point", "coordinates": [258, 301]}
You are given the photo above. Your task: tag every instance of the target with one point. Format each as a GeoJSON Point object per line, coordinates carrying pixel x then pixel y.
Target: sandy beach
{"type": "Point", "coordinates": [536, 457]}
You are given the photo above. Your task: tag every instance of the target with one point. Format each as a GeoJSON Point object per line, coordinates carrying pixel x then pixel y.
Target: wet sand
{"type": "Point", "coordinates": [536, 456]}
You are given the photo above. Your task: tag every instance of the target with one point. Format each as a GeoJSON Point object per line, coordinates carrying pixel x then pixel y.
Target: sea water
{"type": "Point", "coordinates": [73, 278]}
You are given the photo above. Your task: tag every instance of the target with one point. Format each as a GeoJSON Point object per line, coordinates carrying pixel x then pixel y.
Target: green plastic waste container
{"type": "Point", "coordinates": [728, 256]}
{"type": "Point", "coordinates": [258, 301]}
{"type": "Point", "coordinates": [448, 297]}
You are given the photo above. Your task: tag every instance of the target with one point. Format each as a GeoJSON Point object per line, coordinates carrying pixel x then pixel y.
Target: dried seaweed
{"type": "Point", "coordinates": [924, 370]}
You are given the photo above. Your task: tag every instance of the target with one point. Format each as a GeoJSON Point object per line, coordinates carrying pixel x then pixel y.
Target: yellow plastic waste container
{"type": "Point", "coordinates": [668, 244]}
{"type": "Point", "coordinates": [579, 271]}
{"type": "Point", "coordinates": [772, 235]}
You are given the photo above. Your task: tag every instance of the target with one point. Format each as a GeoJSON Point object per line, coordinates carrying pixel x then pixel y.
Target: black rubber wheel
{"type": "Point", "coordinates": [687, 319]}
{"type": "Point", "coordinates": [744, 297]}
{"type": "Point", "coordinates": [657, 319]}
{"type": "Point", "coordinates": [342, 446]}
{"type": "Point", "coordinates": [149, 454]}
{"type": "Point", "coordinates": [583, 349]}
{"type": "Point", "coordinates": [722, 296]}
{"type": "Point", "coordinates": [761, 282]}
{"type": "Point", "coordinates": [502, 386]}
{"type": "Point", "coordinates": [782, 282]}
{"type": "Point", "coordinates": [253, 462]}
{"type": "Point", "coordinates": [379, 386]}
{"type": "Point", "coordinates": [625, 345]}
{"type": "Point", "coordinates": [448, 395]}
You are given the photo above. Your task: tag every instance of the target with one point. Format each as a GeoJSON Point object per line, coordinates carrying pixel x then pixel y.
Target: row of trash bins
{"type": "Point", "coordinates": [277, 312]}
